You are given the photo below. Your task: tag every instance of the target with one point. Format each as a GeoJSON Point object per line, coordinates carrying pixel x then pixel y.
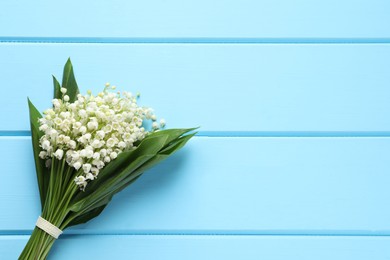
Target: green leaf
{"type": "Point", "coordinates": [69, 82]}
{"type": "Point", "coordinates": [92, 212]}
{"type": "Point", "coordinates": [96, 191]}
{"type": "Point", "coordinates": [87, 216]}
{"type": "Point", "coordinates": [149, 146]}
{"type": "Point", "coordinates": [172, 134]}
{"type": "Point", "coordinates": [42, 172]}
{"type": "Point", "coordinates": [135, 174]}
{"type": "Point", "coordinates": [177, 144]}
{"type": "Point", "coordinates": [162, 155]}
{"type": "Point", "coordinates": [127, 168]}
{"type": "Point", "coordinates": [57, 89]}
{"type": "Point", "coordinates": [132, 178]}
{"type": "Point", "coordinates": [138, 172]}
{"type": "Point", "coordinates": [83, 218]}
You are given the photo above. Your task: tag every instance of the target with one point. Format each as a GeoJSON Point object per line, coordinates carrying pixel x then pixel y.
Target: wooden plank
{"type": "Point", "coordinates": [218, 87]}
{"type": "Point", "coordinates": [208, 247]}
{"type": "Point", "coordinates": [230, 186]}
{"type": "Point", "coordinates": [174, 18]}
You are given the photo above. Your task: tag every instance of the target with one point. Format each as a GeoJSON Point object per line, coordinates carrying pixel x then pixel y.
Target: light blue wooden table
{"type": "Point", "coordinates": [292, 160]}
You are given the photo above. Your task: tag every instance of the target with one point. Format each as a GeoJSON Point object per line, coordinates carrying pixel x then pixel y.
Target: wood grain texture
{"type": "Point", "coordinates": [231, 186]}
{"type": "Point", "coordinates": [218, 87]}
{"type": "Point", "coordinates": [196, 18]}
{"type": "Point", "coordinates": [208, 247]}
{"type": "Point", "coordinates": [243, 68]}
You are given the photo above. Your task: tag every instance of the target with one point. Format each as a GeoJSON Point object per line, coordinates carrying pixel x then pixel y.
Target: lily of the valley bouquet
{"type": "Point", "coordinates": [87, 148]}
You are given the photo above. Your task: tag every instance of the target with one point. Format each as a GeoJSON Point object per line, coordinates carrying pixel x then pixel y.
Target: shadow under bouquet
{"type": "Point", "coordinates": [86, 149]}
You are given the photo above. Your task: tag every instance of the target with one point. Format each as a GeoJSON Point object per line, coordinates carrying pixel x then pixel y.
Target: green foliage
{"type": "Point", "coordinates": [124, 170]}
{"type": "Point", "coordinates": [69, 82]}
{"type": "Point", "coordinates": [66, 205]}
{"type": "Point", "coordinates": [57, 88]}
{"type": "Point", "coordinates": [42, 172]}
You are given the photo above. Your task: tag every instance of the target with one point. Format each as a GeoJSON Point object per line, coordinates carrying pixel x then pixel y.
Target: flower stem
{"type": "Point", "coordinates": [38, 246]}
{"type": "Point", "coordinates": [55, 210]}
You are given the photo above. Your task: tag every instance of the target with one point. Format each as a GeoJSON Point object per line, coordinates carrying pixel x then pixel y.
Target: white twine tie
{"type": "Point", "coordinates": [48, 227]}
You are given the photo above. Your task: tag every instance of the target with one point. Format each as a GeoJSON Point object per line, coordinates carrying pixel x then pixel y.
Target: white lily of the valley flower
{"type": "Point", "coordinates": [162, 122]}
{"type": "Point", "coordinates": [45, 144]}
{"type": "Point", "coordinates": [77, 165]}
{"type": "Point", "coordinates": [113, 155]}
{"type": "Point", "coordinates": [100, 134]}
{"type": "Point", "coordinates": [89, 176]}
{"type": "Point", "coordinates": [59, 153]}
{"type": "Point", "coordinates": [93, 130]}
{"type": "Point", "coordinates": [87, 167]}
{"type": "Point", "coordinates": [92, 125]}
{"type": "Point", "coordinates": [121, 145]}
{"type": "Point", "coordinates": [96, 156]}
{"type": "Point", "coordinates": [81, 182]}
{"type": "Point", "coordinates": [42, 154]}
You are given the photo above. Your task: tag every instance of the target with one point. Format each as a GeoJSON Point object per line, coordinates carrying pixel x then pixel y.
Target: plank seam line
{"type": "Point", "coordinates": [205, 235]}
{"type": "Point", "coordinates": [75, 233]}
{"type": "Point", "coordinates": [297, 134]}
{"type": "Point", "coordinates": [249, 134]}
{"type": "Point", "coordinates": [192, 40]}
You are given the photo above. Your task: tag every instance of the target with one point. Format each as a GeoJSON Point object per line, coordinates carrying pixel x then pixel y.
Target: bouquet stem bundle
{"type": "Point", "coordinates": [78, 171]}
{"type": "Point", "coordinates": [38, 246]}
{"type": "Point", "coordinates": [55, 210]}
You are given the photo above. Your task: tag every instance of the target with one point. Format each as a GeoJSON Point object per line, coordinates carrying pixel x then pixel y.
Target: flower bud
{"type": "Point", "coordinates": [59, 153]}
{"type": "Point", "coordinates": [77, 165]}
{"type": "Point", "coordinates": [113, 155]}
{"type": "Point", "coordinates": [86, 167]}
